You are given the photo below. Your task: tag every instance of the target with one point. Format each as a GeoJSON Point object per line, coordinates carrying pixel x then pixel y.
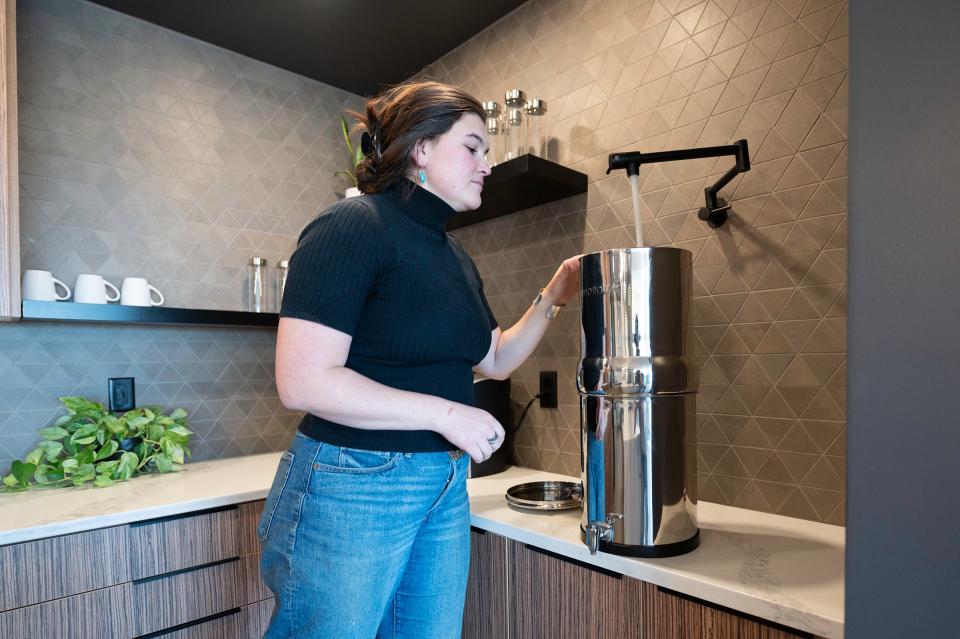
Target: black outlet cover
{"type": "Point", "coordinates": [121, 394]}
{"type": "Point", "coordinates": [548, 389]}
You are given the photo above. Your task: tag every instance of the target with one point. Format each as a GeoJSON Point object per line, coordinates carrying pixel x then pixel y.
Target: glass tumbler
{"type": "Point", "coordinates": [256, 290]}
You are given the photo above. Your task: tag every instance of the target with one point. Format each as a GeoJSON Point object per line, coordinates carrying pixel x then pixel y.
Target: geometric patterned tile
{"type": "Point", "coordinates": [235, 423]}
{"type": "Point", "coordinates": [770, 303]}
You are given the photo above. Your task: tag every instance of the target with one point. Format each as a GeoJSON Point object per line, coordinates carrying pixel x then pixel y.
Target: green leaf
{"type": "Point", "coordinates": [155, 432]}
{"type": "Point", "coordinates": [86, 472]}
{"type": "Point", "coordinates": [51, 449]}
{"type": "Point", "coordinates": [40, 475]}
{"type": "Point", "coordinates": [163, 462]}
{"type": "Point", "coordinates": [102, 481]}
{"type": "Point", "coordinates": [69, 465]}
{"type": "Point", "coordinates": [345, 129]}
{"type": "Point", "coordinates": [178, 413]}
{"type": "Point", "coordinates": [85, 430]}
{"type": "Point", "coordinates": [33, 457]}
{"type": "Point", "coordinates": [108, 449]}
{"type": "Point", "coordinates": [149, 414]}
{"type": "Point", "coordinates": [127, 466]}
{"type": "Point", "coordinates": [359, 157]}
{"type": "Point", "coordinates": [53, 432]}
{"type": "Point", "coordinates": [22, 472]}
{"type": "Point", "coordinates": [137, 422]}
{"type": "Point", "coordinates": [62, 421]}
{"type": "Point", "coordinates": [83, 441]}
{"type": "Point", "coordinates": [107, 467]}
{"type": "Point", "coordinates": [180, 430]}
{"type": "Point", "coordinates": [81, 404]}
{"type": "Point", "coordinates": [10, 480]}
{"type": "Point", "coordinates": [176, 452]}
{"type": "Point", "coordinates": [114, 425]}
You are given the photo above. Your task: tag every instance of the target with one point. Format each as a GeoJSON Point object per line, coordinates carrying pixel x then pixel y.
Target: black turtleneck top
{"type": "Point", "coordinates": [382, 269]}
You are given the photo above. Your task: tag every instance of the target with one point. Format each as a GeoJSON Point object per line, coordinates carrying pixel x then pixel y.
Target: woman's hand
{"type": "Point", "coordinates": [472, 430]}
{"type": "Point", "coordinates": [565, 282]}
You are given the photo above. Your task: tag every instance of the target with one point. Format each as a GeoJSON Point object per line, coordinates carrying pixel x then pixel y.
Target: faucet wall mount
{"type": "Point", "coordinates": [716, 209]}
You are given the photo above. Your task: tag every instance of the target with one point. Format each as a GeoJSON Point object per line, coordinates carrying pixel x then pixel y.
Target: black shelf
{"type": "Point", "coordinates": [519, 184]}
{"type": "Point", "coordinates": [119, 314]}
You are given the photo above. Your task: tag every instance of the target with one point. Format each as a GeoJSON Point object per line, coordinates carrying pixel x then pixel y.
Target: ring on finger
{"type": "Point", "coordinates": [493, 440]}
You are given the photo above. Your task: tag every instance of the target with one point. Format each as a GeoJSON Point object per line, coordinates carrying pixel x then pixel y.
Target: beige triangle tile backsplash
{"type": "Point", "coordinates": [770, 287]}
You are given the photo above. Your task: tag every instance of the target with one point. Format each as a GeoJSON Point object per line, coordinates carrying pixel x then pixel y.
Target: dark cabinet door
{"type": "Point", "coordinates": [671, 614]}
{"type": "Point", "coordinates": [486, 611]}
{"type": "Point", "coordinates": [553, 597]}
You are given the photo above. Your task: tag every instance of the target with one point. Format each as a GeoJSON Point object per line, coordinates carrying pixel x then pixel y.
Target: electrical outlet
{"type": "Point", "coordinates": [548, 389]}
{"type": "Point", "coordinates": [121, 393]}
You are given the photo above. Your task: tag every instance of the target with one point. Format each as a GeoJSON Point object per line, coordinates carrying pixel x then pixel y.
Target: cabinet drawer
{"type": "Point", "coordinates": [165, 601]}
{"type": "Point", "coordinates": [671, 614]}
{"type": "Point", "coordinates": [249, 517]}
{"type": "Point", "coordinates": [159, 546]}
{"type": "Point", "coordinates": [36, 571]}
{"type": "Point", "coordinates": [91, 615]}
{"type": "Point", "coordinates": [256, 618]}
{"type": "Point", "coordinates": [253, 587]}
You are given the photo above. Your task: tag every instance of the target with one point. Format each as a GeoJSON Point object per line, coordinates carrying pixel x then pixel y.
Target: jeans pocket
{"type": "Point", "coordinates": [273, 497]}
{"type": "Point", "coordinates": [354, 461]}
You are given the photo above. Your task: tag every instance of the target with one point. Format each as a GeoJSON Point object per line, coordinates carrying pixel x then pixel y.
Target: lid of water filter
{"type": "Point", "coordinates": [545, 495]}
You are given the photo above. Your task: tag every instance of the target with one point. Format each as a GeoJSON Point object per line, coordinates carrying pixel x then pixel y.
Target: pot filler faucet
{"type": "Point", "coordinates": [715, 212]}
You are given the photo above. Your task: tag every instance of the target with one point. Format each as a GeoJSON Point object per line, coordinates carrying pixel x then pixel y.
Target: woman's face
{"type": "Point", "coordinates": [455, 163]}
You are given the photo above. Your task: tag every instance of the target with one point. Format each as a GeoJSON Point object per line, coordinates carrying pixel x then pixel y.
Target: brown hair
{"type": "Point", "coordinates": [399, 118]}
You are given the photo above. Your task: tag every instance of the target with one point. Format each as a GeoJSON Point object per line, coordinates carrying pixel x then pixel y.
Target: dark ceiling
{"type": "Point", "coordinates": [357, 45]}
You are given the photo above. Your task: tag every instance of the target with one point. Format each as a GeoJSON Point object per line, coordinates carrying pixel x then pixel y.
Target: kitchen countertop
{"type": "Point", "coordinates": [786, 570]}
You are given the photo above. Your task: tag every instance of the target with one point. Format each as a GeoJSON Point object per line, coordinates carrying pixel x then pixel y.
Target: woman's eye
{"type": "Point", "coordinates": [472, 150]}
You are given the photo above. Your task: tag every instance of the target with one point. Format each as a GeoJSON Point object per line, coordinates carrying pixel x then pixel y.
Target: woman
{"type": "Point", "coordinates": [366, 528]}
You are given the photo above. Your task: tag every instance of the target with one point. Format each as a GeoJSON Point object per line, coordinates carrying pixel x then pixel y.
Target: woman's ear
{"type": "Point", "coordinates": [421, 152]}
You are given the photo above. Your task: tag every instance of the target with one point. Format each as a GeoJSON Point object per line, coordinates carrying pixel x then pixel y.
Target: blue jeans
{"type": "Point", "coordinates": [361, 544]}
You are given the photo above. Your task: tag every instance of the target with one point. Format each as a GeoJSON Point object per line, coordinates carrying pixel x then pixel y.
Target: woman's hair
{"type": "Point", "coordinates": [400, 117]}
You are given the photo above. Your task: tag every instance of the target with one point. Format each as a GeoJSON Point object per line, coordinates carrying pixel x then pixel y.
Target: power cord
{"type": "Point", "coordinates": [524, 413]}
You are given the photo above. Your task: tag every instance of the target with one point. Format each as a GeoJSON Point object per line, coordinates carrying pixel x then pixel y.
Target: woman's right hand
{"type": "Point", "coordinates": [472, 430]}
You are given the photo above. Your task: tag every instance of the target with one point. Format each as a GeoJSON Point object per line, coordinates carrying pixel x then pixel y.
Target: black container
{"type": "Point", "coordinates": [493, 396]}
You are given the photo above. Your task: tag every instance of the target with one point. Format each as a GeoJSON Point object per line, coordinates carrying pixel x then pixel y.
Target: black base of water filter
{"type": "Point", "coordinates": [648, 552]}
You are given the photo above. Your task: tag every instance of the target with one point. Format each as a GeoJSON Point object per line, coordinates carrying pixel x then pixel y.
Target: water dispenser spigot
{"type": "Point", "coordinates": [598, 531]}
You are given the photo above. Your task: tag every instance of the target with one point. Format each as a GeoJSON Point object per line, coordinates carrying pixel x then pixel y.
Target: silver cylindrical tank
{"type": "Point", "coordinates": [637, 381]}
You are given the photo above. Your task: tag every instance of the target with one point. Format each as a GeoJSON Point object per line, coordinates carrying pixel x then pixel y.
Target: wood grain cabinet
{"type": "Point", "coordinates": [516, 591]}
{"type": "Point", "coordinates": [9, 175]}
{"type": "Point", "coordinates": [185, 576]}
{"type": "Point", "coordinates": [486, 609]}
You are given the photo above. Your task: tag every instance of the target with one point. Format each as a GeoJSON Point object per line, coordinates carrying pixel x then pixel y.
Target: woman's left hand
{"type": "Point", "coordinates": [565, 282]}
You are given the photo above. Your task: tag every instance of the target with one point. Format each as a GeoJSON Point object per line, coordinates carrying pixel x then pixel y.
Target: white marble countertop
{"type": "Point", "coordinates": [786, 570]}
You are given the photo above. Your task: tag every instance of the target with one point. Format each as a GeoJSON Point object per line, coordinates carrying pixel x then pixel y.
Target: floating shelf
{"type": "Point", "coordinates": [119, 314]}
{"type": "Point", "coordinates": [519, 184]}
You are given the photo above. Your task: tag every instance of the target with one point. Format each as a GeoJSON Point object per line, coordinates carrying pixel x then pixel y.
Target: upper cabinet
{"type": "Point", "coordinates": [9, 202]}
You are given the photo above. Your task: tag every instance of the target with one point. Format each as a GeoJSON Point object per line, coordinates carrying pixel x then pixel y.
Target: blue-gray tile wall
{"type": "Point", "coordinates": [147, 153]}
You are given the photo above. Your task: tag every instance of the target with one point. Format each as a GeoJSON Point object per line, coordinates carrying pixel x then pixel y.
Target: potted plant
{"type": "Point", "coordinates": [355, 155]}
{"type": "Point", "coordinates": [91, 445]}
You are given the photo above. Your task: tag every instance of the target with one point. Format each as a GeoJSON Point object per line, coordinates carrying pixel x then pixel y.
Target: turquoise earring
{"type": "Point", "coordinates": [422, 175]}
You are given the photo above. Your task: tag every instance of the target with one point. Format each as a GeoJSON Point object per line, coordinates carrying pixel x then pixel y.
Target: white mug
{"type": "Point", "coordinates": [41, 286]}
{"type": "Point", "coordinates": [91, 289]}
{"type": "Point", "coordinates": [135, 291]}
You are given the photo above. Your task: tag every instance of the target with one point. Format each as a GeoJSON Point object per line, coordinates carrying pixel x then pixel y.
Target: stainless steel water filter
{"type": "Point", "coordinates": [638, 381]}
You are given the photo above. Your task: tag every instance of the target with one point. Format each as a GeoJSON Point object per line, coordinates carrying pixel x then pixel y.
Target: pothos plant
{"type": "Point", "coordinates": [355, 153]}
{"type": "Point", "coordinates": [89, 444]}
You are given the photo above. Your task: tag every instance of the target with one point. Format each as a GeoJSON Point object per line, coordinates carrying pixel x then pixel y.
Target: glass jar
{"type": "Point", "coordinates": [534, 139]}
{"type": "Point", "coordinates": [280, 283]}
{"type": "Point", "coordinates": [494, 131]}
{"type": "Point", "coordinates": [256, 291]}
{"type": "Point", "coordinates": [513, 143]}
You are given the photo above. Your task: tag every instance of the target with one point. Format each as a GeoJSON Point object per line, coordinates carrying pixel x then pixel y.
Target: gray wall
{"type": "Point", "coordinates": [147, 153]}
{"type": "Point", "coordinates": [769, 306]}
{"type": "Point", "coordinates": [903, 517]}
